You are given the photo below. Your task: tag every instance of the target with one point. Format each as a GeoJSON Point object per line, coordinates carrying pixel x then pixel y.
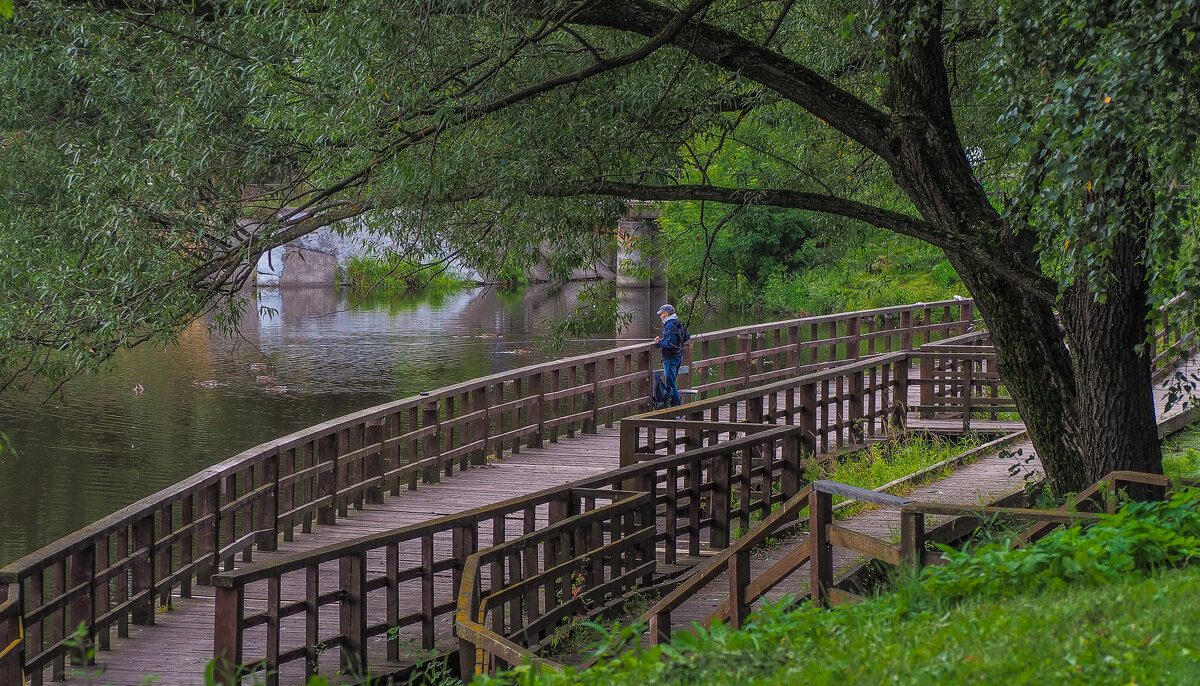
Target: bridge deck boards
{"type": "Point", "coordinates": [177, 648]}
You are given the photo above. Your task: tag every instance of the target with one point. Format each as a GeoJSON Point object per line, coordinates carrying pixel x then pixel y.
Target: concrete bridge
{"type": "Point", "coordinates": [317, 259]}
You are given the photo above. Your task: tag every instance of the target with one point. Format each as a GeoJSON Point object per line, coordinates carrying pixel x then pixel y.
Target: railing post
{"type": "Point", "coordinates": [208, 538]}
{"type": "Point", "coordinates": [854, 345]}
{"type": "Point", "coordinates": [722, 468]}
{"type": "Point", "coordinates": [739, 578]}
{"type": "Point", "coordinates": [906, 330]}
{"type": "Point", "coordinates": [912, 537]}
{"type": "Point", "coordinates": [268, 511]}
{"type": "Point", "coordinates": [373, 464]}
{"type": "Point", "coordinates": [808, 419]}
{"type": "Point", "coordinates": [687, 362]}
{"type": "Point", "coordinates": [592, 397]}
{"type": "Point", "coordinates": [479, 401]}
{"type": "Point", "coordinates": [428, 614]}
{"type": "Point", "coordinates": [660, 628]}
{"type": "Point", "coordinates": [12, 666]}
{"type": "Point", "coordinates": [430, 418]}
{"type": "Point", "coordinates": [966, 314]}
{"type": "Point", "coordinates": [789, 480]}
{"type": "Point", "coordinates": [646, 380]}
{"type": "Point", "coordinates": [227, 635]}
{"type": "Point", "coordinates": [820, 515]}
{"type": "Point", "coordinates": [327, 480]}
{"type": "Point", "coordinates": [143, 570]}
{"type": "Point", "coordinates": [83, 607]}
{"type": "Point", "coordinates": [353, 612]}
{"type": "Point", "coordinates": [537, 413]}
{"type": "Point", "coordinates": [968, 382]}
{"type": "Point", "coordinates": [793, 351]}
{"type": "Point", "coordinates": [466, 542]}
{"type": "Point", "coordinates": [927, 390]}
{"type": "Point", "coordinates": [629, 444]}
{"type": "Point", "coordinates": [900, 370]}
{"type": "Point", "coordinates": [468, 652]}
{"type": "Point", "coordinates": [745, 343]}
{"type": "Point", "coordinates": [857, 391]}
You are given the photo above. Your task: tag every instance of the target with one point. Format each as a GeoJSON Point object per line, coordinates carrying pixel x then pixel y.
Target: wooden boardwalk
{"type": "Point", "coordinates": [977, 482]}
{"type": "Point", "coordinates": [177, 647]}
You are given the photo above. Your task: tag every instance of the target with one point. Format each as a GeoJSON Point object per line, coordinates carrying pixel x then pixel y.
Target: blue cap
{"type": "Point", "coordinates": [666, 308]}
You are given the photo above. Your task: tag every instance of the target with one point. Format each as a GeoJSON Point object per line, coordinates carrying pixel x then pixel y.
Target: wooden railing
{"type": "Point", "coordinates": [824, 534]}
{"type": "Point", "coordinates": [834, 408]}
{"type": "Point", "coordinates": [840, 408]}
{"type": "Point", "coordinates": [1174, 335]}
{"type": "Point", "coordinates": [12, 641]}
{"type": "Point", "coordinates": [575, 569]}
{"type": "Point", "coordinates": [110, 574]}
{"type": "Point", "coordinates": [689, 490]}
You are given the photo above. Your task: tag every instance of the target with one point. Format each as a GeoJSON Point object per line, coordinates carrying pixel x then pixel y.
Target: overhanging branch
{"type": "Point", "coordinates": [1023, 276]}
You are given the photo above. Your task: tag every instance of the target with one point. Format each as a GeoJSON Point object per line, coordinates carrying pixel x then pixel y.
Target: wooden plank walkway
{"type": "Point", "coordinates": [177, 647]}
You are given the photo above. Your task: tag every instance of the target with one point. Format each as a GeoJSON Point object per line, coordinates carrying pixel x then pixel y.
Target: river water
{"type": "Point", "coordinates": [99, 446]}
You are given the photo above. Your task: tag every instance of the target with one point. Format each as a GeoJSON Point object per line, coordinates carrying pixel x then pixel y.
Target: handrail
{"type": "Point", "coordinates": [603, 551]}
{"type": "Point", "coordinates": [73, 542]}
{"type": "Point", "coordinates": [816, 551]}
{"type": "Point", "coordinates": [12, 641]}
{"type": "Point", "coordinates": [296, 561]}
{"type": "Point", "coordinates": [658, 617]}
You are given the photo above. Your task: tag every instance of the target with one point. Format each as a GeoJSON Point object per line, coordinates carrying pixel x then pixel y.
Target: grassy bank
{"type": "Point", "coordinates": [393, 275]}
{"type": "Point", "coordinates": [1112, 604]}
{"type": "Point", "coordinates": [1181, 453]}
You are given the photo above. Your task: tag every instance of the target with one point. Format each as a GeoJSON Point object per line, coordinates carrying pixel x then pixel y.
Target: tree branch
{"type": "Point", "coordinates": [793, 81]}
{"type": "Point", "coordinates": [1030, 279]}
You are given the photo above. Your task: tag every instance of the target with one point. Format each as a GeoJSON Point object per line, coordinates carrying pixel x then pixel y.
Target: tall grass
{"type": "Point", "coordinates": [889, 460]}
{"type": "Point", "coordinates": [395, 274]}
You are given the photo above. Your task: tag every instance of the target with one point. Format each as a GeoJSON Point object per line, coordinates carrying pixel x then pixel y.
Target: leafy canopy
{"type": "Point", "coordinates": [150, 151]}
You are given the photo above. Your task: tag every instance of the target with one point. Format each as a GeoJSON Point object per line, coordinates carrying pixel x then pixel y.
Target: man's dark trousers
{"type": "Point", "coordinates": [671, 370]}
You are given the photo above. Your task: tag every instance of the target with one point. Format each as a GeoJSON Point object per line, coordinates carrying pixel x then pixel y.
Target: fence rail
{"type": "Point", "coordinates": [824, 534]}
{"type": "Point", "coordinates": [578, 567]}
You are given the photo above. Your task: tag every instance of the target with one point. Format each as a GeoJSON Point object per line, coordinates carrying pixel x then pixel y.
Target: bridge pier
{"type": "Point", "coordinates": [638, 262]}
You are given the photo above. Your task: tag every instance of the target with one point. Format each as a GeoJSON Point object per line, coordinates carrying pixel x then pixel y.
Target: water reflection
{"type": "Point", "coordinates": [99, 446]}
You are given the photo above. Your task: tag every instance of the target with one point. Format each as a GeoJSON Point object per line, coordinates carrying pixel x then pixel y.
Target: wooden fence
{"type": "Point", "coordinates": [824, 534]}
{"type": "Point", "coordinates": [690, 491]}
{"type": "Point", "coordinates": [575, 569]}
{"type": "Point", "coordinates": [110, 574]}
{"type": "Point", "coordinates": [12, 641]}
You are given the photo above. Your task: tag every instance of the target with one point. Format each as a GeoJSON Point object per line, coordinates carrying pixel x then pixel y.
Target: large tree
{"type": "Point", "coordinates": [150, 150]}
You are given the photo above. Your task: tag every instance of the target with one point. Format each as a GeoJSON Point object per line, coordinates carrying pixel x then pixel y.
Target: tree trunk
{"type": "Point", "coordinates": [1089, 407]}
{"type": "Point", "coordinates": [1117, 426]}
{"type": "Point", "coordinates": [1037, 370]}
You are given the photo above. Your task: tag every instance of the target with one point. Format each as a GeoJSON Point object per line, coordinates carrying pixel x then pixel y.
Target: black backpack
{"type": "Point", "coordinates": [662, 392]}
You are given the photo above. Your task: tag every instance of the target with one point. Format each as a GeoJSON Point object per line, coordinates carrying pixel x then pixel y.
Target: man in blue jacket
{"type": "Point", "coordinates": [672, 340]}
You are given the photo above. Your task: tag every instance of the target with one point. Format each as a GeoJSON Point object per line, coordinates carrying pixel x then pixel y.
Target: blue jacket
{"type": "Point", "coordinates": [674, 335]}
